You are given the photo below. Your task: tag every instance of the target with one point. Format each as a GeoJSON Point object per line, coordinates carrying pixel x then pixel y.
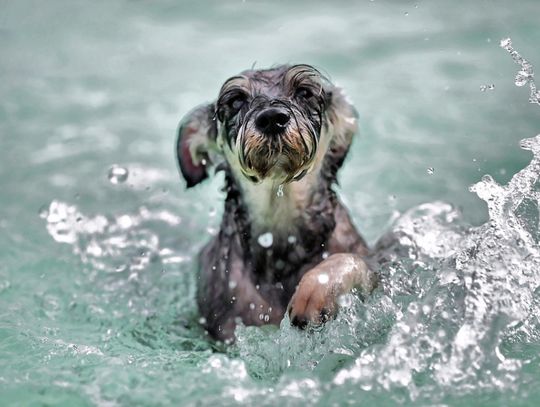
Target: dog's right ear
{"type": "Point", "coordinates": [196, 141]}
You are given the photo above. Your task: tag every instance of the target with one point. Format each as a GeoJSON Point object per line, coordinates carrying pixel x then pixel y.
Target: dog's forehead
{"type": "Point", "coordinates": [266, 76]}
{"type": "Point", "coordinates": [273, 81]}
{"type": "Point", "coordinates": [266, 81]}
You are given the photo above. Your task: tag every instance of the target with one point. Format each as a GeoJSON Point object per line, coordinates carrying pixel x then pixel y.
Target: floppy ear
{"type": "Point", "coordinates": [343, 124]}
{"type": "Point", "coordinates": [196, 138]}
{"type": "Point", "coordinates": [343, 117]}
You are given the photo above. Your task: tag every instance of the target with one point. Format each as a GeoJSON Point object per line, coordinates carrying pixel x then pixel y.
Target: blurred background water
{"type": "Point", "coordinates": [97, 233]}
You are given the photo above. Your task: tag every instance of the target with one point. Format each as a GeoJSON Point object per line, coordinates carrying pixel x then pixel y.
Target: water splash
{"type": "Point", "coordinates": [457, 307]}
{"type": "Point", "coordinates": [112, 243]}
{"type": "Point", "coordinates": [526, 73]}
{"type": "Point", "coordinates": [483, 88]}
{"type": "Point", "coordinates": [117, 174]}
{"type": "Point", "coordinates": [456, 315]}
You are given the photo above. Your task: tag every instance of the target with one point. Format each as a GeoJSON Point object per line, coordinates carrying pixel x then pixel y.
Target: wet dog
{"type": "Point", "coordinates": [286, 243]}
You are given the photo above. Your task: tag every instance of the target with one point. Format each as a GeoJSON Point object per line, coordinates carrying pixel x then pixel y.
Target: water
{"type": "Point", "coordinates": [97, 235]}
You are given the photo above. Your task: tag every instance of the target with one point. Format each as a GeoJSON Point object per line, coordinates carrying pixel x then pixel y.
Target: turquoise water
{"type": "Point", "coordinates": [96, 277]}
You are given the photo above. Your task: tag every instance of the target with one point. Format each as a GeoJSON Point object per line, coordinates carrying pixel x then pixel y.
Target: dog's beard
{"type": "Point", "coordinates": [285, 157]}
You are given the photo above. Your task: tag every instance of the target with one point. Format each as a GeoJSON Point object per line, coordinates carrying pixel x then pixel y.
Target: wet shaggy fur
{"type": "Point", "coordinates": [241, 280]}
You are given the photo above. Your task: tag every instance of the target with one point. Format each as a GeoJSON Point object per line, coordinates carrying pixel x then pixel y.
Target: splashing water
{"type": "Point", "coordinates": [455, 321]}
{"type": "Point", "coordinates": [117, 174]}
{"type": "Point", "coordinates": [457, 312]}
{"type": "Point", "coordinates": [526, 74]}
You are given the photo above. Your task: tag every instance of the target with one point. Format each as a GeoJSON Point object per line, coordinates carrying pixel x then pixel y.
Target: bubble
{"type": "Point", "coordinates": [251, 306]}
{"type": "Point", "coordinates": [430, 170]}
{"type": "Point", "coordinates": [266, 240]}
{"type": "Point", "coordinates": [232, 284]}
{"type": "Point", "coordinates": [291, 239]}
{"type": "Point", "coordinates": [117, 174]}
{"type": "Point", "coordinates": [279, 192]}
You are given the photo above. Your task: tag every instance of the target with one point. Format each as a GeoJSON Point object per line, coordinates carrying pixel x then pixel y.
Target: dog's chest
{"type": "Point", "coordinates": [275, 208]}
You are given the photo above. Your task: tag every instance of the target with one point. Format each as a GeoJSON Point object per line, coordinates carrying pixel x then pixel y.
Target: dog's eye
{"type": "Point", "coordinates": [303, 93]}
{"type": "Point", "coordinates": [236, 102]}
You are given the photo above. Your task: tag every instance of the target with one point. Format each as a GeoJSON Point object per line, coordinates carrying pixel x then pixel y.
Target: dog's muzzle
{"type": "Point", "coordinates": [272, 121]}
{"type": "Point", "coordinates": [275, 142]}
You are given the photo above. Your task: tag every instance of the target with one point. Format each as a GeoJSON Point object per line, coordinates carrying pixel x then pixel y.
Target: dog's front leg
{"type": "Point", "coordinates": [316, 297]}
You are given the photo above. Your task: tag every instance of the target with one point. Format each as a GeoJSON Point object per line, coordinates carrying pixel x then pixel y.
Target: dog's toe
{"type": "Point", "coordinates": [300, 322]}
{"type": "Point", "coordinates": [312, 304]}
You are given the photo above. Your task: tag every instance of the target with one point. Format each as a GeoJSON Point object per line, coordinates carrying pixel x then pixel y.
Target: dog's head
{"type": "Point", "coordinates": [276, 123]}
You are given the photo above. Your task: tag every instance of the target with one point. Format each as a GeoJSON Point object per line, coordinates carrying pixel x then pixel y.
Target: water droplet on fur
{"type": "Point", "coordinates": [280, 190]}
{"type": "Point", "coordinates": [324, 255]}
{"type": "Point", "coordinates": [266, 240]}
{"type": "Point", "coordinates": [430, 170]}
{"type": "Point", "coordinates": [202, 320]}
{"type": "Point", "coordinates": [232, 284]}
{"type": "Point", "coordinates": [323, 278]}
{"type": "Point", "coordinates": [117, 174]}
{"type": "Point", "coordinates": [251, 306]}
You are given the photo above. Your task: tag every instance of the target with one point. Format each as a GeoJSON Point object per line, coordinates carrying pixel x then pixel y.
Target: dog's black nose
{"type": "Point", "coordinates": [272, 121]}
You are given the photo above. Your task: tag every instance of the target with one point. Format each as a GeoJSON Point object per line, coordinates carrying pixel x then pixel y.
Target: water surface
{"type": "Point", "coordinates": [96, 277]}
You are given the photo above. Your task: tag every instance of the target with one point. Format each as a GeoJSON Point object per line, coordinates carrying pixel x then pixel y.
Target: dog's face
{"type": "Point", "coordinates": [270, 121]}
{"type": "Point", "coordinates": [275, 123]}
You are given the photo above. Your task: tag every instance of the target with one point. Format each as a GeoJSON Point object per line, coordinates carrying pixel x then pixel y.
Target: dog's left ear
{"type": "Point", "coordinates": [196, 141]}
{"type": "Point", "coordinates": [343, 124]}
{"type": "Point", "coordinates": [342, 115]}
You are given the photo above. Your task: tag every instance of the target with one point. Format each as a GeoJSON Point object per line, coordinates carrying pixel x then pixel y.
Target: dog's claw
{"type": "Point", "coordinates": [313, 303]}
{"type": "Point", "coordinates": [299, 322]}
{"type": "Point", "coordinates": [315, 299]}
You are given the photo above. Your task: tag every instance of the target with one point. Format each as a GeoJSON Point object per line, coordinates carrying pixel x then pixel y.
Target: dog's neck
{"type": "Point", "coordinates": [278, 208]}
{"type": "Point", "coordinates": [292, 226]}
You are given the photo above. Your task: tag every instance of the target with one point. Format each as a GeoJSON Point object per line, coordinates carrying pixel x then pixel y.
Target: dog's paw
{"type": "Point", "coordinates": [315, 299]}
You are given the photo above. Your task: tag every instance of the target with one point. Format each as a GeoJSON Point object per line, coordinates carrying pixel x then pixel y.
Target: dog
{"type": "Point", "coordinates": [286, 243]}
